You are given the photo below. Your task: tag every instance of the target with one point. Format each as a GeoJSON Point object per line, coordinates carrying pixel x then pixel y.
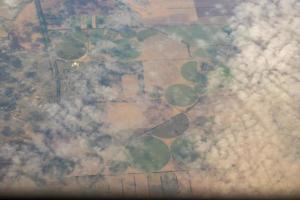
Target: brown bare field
{"type": "Point", "coordinates": [142, 186]}
{"type": "Point", "coordinates": [129, 186]}
{"type": "Point", "coordinates": [34, 38]}
{"type": "Point", "coordinates": [157, 113]}
{"type": "Point", "coordinates": [130, 86]}
{"type": "Point", "coordinates": [166, 11]}
{"type": "Point", "coordinates": [125, 116]}
{"type": "Point", "coordinates": [28, 14]}
{"type": "Point", "coordinates": [163, 58]}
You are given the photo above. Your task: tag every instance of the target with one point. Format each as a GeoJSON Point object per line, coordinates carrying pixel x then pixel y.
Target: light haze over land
{"type": "Point", "coordinates": [147, 98]}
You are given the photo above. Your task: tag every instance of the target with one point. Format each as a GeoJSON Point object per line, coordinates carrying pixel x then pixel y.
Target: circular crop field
{"type": "Point", "coordinates": [148, 153]}
{"type": "Point", "coordinates": [189, 71]}
{"type": "Point", "coordinates": [180, 95]}
{"type": "Point", "coordinates": [174, 127]}
{"type": "Point", "coordinates": [70, 49]}
{"type": "Point", "coordinates": [183, 150]}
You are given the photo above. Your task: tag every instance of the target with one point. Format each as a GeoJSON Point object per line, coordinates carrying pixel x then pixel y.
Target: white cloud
{"type": "Point", "coordinates": [268, 34]}
{"type": "Point", "coordinates": [267, 88]}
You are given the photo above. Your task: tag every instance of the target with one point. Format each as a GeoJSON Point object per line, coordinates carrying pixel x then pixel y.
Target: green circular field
{"type": "Point", "coordinates": [180, 95]}
{"type": "Point", "coordinates": [148, 153]}
{"type": "Point", "coordinates": [174, 127]}
{"type": "Point", "coordinates": [183, 150]}
{"type": "Point", "coordinates": [189, 71]}
{"type": "Point", "coordinates": [70, 49]}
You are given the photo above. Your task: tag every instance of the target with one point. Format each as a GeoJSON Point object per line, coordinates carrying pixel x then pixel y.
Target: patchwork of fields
{"type": "Point", "coordinates": [146, 99]}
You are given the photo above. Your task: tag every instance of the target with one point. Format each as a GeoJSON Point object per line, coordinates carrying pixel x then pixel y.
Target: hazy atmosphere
{"type": "Point", "coordinates": [148, 98]}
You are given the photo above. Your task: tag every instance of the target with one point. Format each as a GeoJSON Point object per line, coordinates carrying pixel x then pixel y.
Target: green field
{"type": "Point", "coordinates": [103, 34]}
{"type": "Point", "coordinates": [191, 33]}
{"type": "Point", "coordinates": [190, 72]}
{"type": "Point", "coordinates": [80, 36]}
{"type": "Point", "coordinates": [183, 150]}
{"type": "Point", "coordinates": [180, 95]}
{"type": "Point", "coordinates": [70, 49]}
{"type": "Point", "coordinates": [144, 34]}
{"type": "Point", "coordinates": [173, 127]}
{"type": "Point", "coordinates": [148, 153]}
{"type": "Point", "coordinates": [209, 52]}
{"type": "Point", "coordinates": [124, 50]}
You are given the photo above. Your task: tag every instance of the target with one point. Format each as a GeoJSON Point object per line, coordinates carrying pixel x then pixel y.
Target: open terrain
{"type": "Point", "coordinates": [150, 99]}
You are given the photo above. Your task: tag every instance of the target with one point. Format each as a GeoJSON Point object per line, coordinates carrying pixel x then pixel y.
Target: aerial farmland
{"type": "Point", "coordinates": [147, 98]}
